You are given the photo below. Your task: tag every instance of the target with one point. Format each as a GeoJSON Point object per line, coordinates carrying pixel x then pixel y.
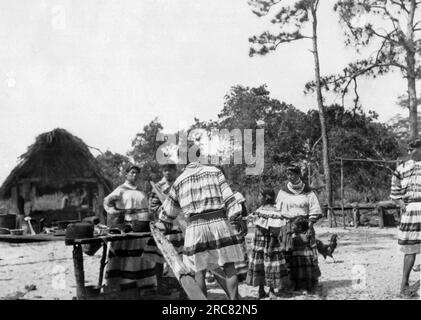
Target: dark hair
{"type": "Point", "coordinates": [132, 166]}
{"type": "Point", "coordinates": [169, 166]}
{"type": "Point", "coordinates": [221, 168]}
{"type": "Point", "coordinates": [268, 195]}
{"type": "Point", "coordinates": [294, 169]}
{"type": "Point", "coordinates": [414, 144]}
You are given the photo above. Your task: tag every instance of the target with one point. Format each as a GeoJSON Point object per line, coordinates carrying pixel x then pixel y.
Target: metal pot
{"type": "Point", "coordinates": [4, 231]}
{"type": "Point", "coordinates": [16, 232]}
{"type": "Point", "coordinates": [8, 221]}
{"type": "Point", "coordinates": [80, 230]}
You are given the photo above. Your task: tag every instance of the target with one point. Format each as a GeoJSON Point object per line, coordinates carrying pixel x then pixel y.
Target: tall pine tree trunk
{"type": "Point", "coordinates": [325, 142]}
{"type": "Point", "coordinates": [412, 93]}
{"type": "Point", "coordinates": [411, 74]}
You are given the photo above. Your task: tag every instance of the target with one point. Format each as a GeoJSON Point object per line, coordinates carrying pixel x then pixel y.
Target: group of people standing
{"type": "Point", "coordinates": [284, 254]}
{"type": "Point", "coordinates": [284, 251]}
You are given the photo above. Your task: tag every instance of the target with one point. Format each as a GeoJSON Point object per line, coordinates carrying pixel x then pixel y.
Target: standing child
{"type": "Point", "coordinates": [267, 264]}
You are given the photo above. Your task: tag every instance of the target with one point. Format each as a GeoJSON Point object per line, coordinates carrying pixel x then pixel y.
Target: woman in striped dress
{"type": "Point", "coordinates": [267, 263]}
{"type": "Point", "coordinates": [174, 236]}
{"type": "Point", "coordinates": [203, 196]}
{"type": "Point", "coordinates": [406, 192]}
{"type": "Point", "coordinates": [300, 206]}
{"type": "Point", "coordinates": [131, 263]}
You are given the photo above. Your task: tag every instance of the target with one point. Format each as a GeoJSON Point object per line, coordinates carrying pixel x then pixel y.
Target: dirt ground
{"type": "Point", "coordinates": [368, 266]}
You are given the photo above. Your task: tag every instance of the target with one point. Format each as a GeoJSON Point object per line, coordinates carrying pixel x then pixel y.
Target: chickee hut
{"type": "Point", "coordinates": [57, 180]}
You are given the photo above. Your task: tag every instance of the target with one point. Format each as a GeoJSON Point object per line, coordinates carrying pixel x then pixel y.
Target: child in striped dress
{"type": "Point", "coordinates": [267, 264]}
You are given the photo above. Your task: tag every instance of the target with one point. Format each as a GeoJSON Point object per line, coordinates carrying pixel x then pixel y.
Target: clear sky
{"type": "Point", "coordinates": [102, 69]}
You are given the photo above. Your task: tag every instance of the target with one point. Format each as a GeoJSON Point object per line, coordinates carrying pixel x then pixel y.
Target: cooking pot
{"type": "Point", "coordinates": [8, 221]}
{"type": "Point", "coordinates": [80, 230]}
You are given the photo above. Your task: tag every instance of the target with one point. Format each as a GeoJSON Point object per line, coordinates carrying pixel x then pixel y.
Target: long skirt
{"type": "Point", "coordinates": [409, 234]}
{"type": "Point", "coordinates": [267, 263]}
{"type": "Point", "coordinates": [132, 262]}
{"type": "Point", "coordinates": [303, 263]}
{"type": "Point", "coordinates": [242, 266]}
{"type": "Point", "coordinates": [211, 243]}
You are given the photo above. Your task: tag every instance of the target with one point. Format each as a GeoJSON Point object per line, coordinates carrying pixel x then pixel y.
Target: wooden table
{"type": "Point", "coordinates": [29, 238]}
{"type": "Point", "coordinates": [78, 256]}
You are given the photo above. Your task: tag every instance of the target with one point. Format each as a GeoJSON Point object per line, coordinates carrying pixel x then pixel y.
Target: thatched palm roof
{"type": "Point", "coordinates": [56, 159]}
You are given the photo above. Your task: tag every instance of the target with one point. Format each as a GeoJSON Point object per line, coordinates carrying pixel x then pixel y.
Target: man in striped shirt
{"type": "Point", "coordinates": [175, 235]}
{"type": "Point", "coordinates": [203, 196]}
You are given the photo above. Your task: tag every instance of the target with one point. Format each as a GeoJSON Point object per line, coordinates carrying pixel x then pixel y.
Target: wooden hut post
{"type": "Point", "coordinates": [33, 194]}
{"type": "Point", "coordinates": [356, 216]}
{"type": "Point", "coordinates": [381, 210]}
{"type": "Point", "coordinates": [342, 193]}
{"type": "Point", "coordinates": [100, 207]}
{"type": "Point", "coordinates": [330, 213]}
{"type": "Point", "coordinates": [15, 196]}
{"type": "Point", "coordinates": [15, 205]}
{"type": "Point", "coordinates": [26, 190]}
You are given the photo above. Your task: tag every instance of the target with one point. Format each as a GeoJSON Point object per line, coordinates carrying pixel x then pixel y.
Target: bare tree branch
{"type": "Point", "coordinates": [401, 4]}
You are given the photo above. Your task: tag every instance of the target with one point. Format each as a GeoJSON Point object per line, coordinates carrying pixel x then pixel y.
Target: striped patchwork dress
{"type": "Point", "coordinates": [175, 235]}
{"type": "Point", "coordinates": [300, 201]}
{"type": "Point", "coordinates": [203, 196]}
{"type": "Point", "coordinates": [131, 262]}
{"type": "Point", "coordinates": [267, 263]}
{"type": "Point", "coordinates": [406, 186]}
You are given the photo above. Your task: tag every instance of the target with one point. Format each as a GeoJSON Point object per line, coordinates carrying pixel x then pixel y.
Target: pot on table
{"type": "Point", "coordinates": [4, 231]}
{"type": "Point", "coordinates": [8, 221]}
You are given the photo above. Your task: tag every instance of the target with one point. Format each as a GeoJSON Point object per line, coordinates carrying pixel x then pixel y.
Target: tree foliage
{"type": "Point", "coordinates": [113, 166]}
{"type": "Point", "coordinates": [291, 21]}
{"type": "Point", "coordinates": [143, 151]}
{"type": "Point", "coordinates": [292, 136]}
{"type": "Point", "coordinates": [393, 29]}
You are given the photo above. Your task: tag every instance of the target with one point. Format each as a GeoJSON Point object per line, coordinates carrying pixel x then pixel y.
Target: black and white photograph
{"type": "Point", "coordinates": [228, 151]}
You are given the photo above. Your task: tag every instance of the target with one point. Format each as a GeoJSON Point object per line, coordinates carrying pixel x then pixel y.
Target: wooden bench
{"type": "Point", "coordinates": [381, 207]}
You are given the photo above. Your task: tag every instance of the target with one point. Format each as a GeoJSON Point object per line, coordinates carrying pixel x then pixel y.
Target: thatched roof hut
{"type": "Point", "coordinates": [55, 161]}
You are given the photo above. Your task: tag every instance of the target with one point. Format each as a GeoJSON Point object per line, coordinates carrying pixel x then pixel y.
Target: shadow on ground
{"type": "Point", "coordinates": [326, 286]}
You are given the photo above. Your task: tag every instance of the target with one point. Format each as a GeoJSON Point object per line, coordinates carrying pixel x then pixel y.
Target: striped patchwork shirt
{"type": "Point", "coordinates": [406, 181]}
{"type": "Point", "coordinates": [268, 216]}
{"type": "Point", "coordinates": [154, 201]}
{"type": "Point", "coordinates": [127, 196]}
{"type": "Point", "coordinates": [197, 190]}
{"type": "Point", "coordinates": [292, 203]}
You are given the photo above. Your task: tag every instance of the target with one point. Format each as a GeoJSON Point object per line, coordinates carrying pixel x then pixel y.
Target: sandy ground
{"type": "Point", "coordinates": [368, 266]}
